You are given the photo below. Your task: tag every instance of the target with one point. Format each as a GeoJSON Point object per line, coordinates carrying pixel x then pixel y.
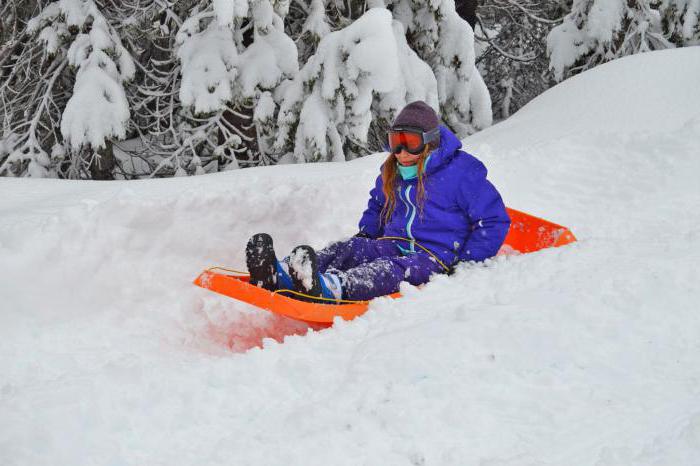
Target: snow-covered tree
{"type": "Point", "coordinates": [14, 15]}
{"type": "Point", "coordinates": [360, 75]}
{"type": "Point", "coordinates": [226, 84]}
{"type": "Point", "coordinates": [86, 63]}
{"type": "Point", "coordinates": [98, 110]}
{"type": "Point", "coordinates": [681, 21]}
{"type": "Point", "coordinates": [445, 41]}
{"type": "Point", "coordinates": [597, 31]}
{"type": "Point", "coordinates": [97, 89]}
{"type": "Point", "coordinates": [161, 144]}
{"type": "Point", "coordinates": [511, 50]}
{"type": "Point", "coordinates": [312, 24]}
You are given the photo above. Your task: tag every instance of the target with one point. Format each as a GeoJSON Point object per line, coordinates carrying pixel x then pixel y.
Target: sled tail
{"type": "Point", "coordinates": [529, 233]}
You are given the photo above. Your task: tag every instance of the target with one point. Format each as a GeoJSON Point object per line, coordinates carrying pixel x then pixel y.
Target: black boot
{"type": "Point", "coordinates": [303, 268]}
{"type": "Point", "coordinates": [261, 261]}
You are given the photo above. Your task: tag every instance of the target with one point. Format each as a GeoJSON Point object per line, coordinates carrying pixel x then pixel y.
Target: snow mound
{"type": "Point", "coordinates": [582, 355]}
{"type": "Point", "coordinates": [649, 92]}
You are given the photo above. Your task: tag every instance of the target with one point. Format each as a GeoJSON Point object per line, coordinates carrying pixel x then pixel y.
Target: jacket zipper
{"type": "Point", "coordinates": [411, 219]}
{"type": "Point", "coordinates": [404, 203]}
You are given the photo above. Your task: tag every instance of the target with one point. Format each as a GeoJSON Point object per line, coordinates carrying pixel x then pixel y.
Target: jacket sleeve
{"type": "Point", "coordinates": [371, 221]}
{"type": "Point", "coordinates": [488, 220]}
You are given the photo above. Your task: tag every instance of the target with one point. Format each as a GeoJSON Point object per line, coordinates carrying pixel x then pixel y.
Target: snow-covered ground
{"type": "Point", "coordinates": [583, 355]}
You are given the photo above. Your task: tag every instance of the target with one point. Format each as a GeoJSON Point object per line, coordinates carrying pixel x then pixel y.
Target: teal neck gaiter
{"type": "Point", "coordinates": [411, 172]}
{"type": "Point", "coordinates": [408, 173]}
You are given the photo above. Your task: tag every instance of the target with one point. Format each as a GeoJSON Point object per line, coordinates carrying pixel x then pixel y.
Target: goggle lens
{"type": "Point", "coordinates": [412, 142]}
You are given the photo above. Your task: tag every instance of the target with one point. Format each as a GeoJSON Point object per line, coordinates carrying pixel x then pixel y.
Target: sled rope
{"type": "Point", "coordinates": [320, 298]}
{"type": "Point", "coordinates": [296, 293]}
{"type": "Point", "coordinates": [245, 274]}
{"type": "Point", "coordinates": [430, 253]}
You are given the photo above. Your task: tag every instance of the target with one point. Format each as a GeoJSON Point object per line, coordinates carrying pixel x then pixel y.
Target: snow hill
{"type": "Point", "coordinates": [583, 355]}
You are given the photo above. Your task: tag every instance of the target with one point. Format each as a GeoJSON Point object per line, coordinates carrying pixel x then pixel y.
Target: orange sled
{"type": "Point", "coordinates": [527, 234]}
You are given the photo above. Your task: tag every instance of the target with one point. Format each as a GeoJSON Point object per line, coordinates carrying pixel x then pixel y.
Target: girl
{"type": "Point", "coordinates": [431, 208]}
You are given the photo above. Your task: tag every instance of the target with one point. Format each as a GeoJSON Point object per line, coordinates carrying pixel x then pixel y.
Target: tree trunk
{"type": "Point", "coordinates": [467, 10]}
{"type": "Point", "coordinates": [243, 121]}
{"type": "Point", "coordinates": [102, 166]}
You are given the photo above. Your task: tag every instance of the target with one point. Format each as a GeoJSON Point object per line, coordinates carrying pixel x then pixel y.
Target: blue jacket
{"type": "Point", "coordinates": [463, 216]}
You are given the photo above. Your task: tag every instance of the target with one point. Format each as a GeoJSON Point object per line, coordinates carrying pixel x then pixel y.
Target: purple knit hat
{"type": "Point", "coordinates": [417, 114]}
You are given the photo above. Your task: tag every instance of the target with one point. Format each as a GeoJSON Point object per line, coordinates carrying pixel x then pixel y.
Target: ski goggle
{"type": "Point", "coordinates": [413, 140]}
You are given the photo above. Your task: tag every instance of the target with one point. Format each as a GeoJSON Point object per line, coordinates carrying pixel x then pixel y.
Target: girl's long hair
{"type": "Point", "coordinates": [389, 176]}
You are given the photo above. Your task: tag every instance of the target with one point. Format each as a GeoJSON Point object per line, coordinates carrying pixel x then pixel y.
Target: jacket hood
{"type": "Point", "coordinates": [443, 155]}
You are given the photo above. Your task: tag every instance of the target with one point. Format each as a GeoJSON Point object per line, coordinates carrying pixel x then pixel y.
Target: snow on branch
{"type": "Point", "coordinates": [682, 21]}
{"type": "Point", "coordinates": [366, 66]}
{"type": "Point", "coordinates": [208, 59]}
{"type": "Point", "coordinates": [446, 42]}
{"type": "Point", "coordinates": [207, 85]}
{"type": "Point", "coordinates": [69, 74]}
{"type": "Point", "coordinates": [271, 58]}
{"type": "Point", "coordinates": [230, 74]}
{"type": "Point", "coordinates": [597, 31]}
{"type": "Point", "coordinates": [98, 109]}
{"type": "Point", "coordinates": [213, 72]}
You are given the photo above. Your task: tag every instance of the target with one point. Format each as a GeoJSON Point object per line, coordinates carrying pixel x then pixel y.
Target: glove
{"type": "Point", "coordinates": [362, 234]}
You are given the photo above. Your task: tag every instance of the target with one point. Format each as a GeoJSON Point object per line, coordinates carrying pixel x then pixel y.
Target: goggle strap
{"type": "Point", "coordinates": [427, 136]}
{"type": "Point", "coordinates": [431, 135]}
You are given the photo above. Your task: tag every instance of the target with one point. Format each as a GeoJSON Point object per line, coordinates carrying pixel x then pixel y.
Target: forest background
{"type": "Point", "coordinates": [106, 89]}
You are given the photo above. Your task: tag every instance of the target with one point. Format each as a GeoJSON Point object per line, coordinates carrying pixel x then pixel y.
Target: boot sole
{"type": "Point", "coordinates": [300, 256]}
{"type": "Point", "coordinates": [261, 261]}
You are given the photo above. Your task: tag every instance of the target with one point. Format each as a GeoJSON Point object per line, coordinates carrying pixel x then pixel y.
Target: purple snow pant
{"type": "Point", "coordinates": [368, 268]}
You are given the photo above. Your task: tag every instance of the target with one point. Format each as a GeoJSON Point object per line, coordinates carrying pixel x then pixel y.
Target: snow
{"type": "Point", "coordinates": [597, 31]}
{"type": "Point", "coordinates": [98, 108]}
{"type": "Point", "coordinates": [224, 10]}
{"type": "Point", "coordinates": [209, 60]}
{"type": "Point", "coordinates": [446, 42]}
{"type": "Point", "coordinates": [581, 355]}
{"type": "Point", "coordinates": [269, 59]}
{"type": "Point", "coordinates": [691, 18]}
{"type": "Point", "coordinates": [300, 263]}
{"type": "Point", "coordinates": [604, 19]}
{"type": "Point", "coordinates": [212, 69]}
{"type": "Point", "coordinates": [683, 17]}
{"type": "Point", "coordinates": [227, 11]}
{"type": "Point", "coordinates": [316, 21]}
{"type": "Point", "coordinates": [71, 12]}
{"type": "Point", "coordinates": [50, 37]}
{"type": "Point", "coordinates": [353, 70]}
